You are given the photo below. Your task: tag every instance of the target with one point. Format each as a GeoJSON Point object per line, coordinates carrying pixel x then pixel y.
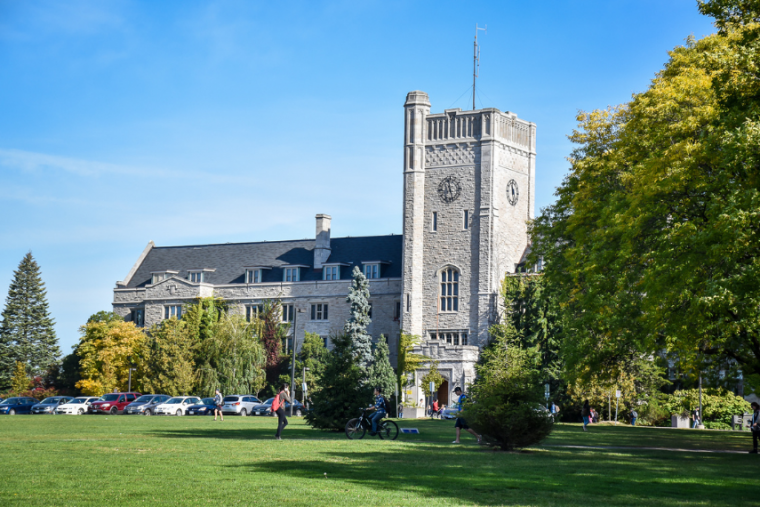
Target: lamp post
{"type": "Point", "coordinates": [131, 369]}
{"type": "Point", "coordinates": [293, 361]}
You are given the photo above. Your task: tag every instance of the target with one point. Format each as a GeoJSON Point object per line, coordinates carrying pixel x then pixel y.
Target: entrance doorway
{"type": "Point", "coordinates": [443, 393]}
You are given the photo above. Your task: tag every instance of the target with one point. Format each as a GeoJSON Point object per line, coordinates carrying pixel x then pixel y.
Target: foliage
{"type": "Point", "coordinates": [167, 360]}
{"type": "Point", "coordinates": [26, 331]}
{"type": "Point", "coordinates": [343, 391]}
{"type": "Point", "coordinates": [313, 355]}
{"type": "Point", "coordinates": [652, 243]}
{"type": "Point", "coordinates": [506, 400]}
{"type": "Point", "coordinates": [233, 358]}
{"type": "Point", "coordinates": [433, 376]}
{"type": "Point", "coordinates": [356, 325]}
{"type": "Point", "coordinates": [105, 351]}
{"type": "Point", "coordinates": [408, 361]}
{"type": "Point", "coordinates": [718, 405]}
{"type": "Point", "coordinates": [272, 334]}
{"type": "Point", "coordinates": [68, 373]}
{"type": "Point", "coordinates": [730, 13]}
{"type": "Point", "coordinates": [380, 373]}
{"type": "Point", "coordinates": [21, 381]}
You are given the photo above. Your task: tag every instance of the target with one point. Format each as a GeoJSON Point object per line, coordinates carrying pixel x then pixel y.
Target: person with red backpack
{"type": "Point", "coordinates": [278, 407]}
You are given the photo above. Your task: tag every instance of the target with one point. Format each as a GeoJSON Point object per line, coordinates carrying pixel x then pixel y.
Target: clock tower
{"type": "Point", "coordinates": [469, 179]}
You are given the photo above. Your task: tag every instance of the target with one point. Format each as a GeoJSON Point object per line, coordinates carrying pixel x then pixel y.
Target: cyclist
{"type": "Point", "coordinates": [379, 408]}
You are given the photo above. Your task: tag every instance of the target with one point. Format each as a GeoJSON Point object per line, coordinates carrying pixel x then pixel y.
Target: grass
{"type": "Point", "coordinates": [128, 460]}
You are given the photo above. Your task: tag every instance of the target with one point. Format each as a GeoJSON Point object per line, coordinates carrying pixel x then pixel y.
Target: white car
{"type": "Point", "coordinates": [77, 406]}
{"type": "Point", "coordinates": [176, 406]}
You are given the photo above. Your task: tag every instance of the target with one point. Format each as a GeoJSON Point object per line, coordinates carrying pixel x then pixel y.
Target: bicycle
{"type": "Point", "coordinates": [357, 427]}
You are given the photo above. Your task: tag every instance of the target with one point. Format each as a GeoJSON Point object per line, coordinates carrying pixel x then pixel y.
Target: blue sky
{"type": "Point", "coordinates": [190, 122]}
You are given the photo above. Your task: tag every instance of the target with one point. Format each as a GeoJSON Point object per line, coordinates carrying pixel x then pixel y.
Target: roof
{"type": "Point", "coordinates": [229, 259]}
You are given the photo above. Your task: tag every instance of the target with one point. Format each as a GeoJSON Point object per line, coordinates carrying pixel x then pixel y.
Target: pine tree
{"type": "Point", "coordinates": [27, 333]}
{"type": "Point", "coordinates": [342, 394]}
{"type": "Point", "coordinates": [380, 373]}
{"type": "Point", "coordinates": [356, 325]}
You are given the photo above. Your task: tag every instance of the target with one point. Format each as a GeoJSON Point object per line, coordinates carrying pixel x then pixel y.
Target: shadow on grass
{"type": "Point", "coordinates": [236, 433]}
{"type": "Point", "coordinates": [540, 478]}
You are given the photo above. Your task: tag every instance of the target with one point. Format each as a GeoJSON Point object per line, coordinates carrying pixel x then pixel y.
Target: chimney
{"type": "Point", "coordinates": [322, 249]}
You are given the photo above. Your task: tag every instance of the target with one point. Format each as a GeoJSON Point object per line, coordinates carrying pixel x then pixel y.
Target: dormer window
{"type": "Point", "coordinates": [158, 276]}
{"type": "Point", "coordinates": [292, 273]}
{"type": "Point", "coordinates": [372, 270]}
{"type": "Point", "coordinates": [198, 275]}
{"type": "Point", "coordinates": [331, 273]}
{"type": "Point", "coordinates": [253, 276]}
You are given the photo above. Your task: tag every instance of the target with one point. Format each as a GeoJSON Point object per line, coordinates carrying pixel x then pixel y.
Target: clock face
{"type": "Point", "coordinates": [449, 189]}
{"type": "Point", "coordinates": [512, 192]}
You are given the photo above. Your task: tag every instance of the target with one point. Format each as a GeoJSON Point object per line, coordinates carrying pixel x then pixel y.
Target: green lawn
{"type": "Point", "coordinates": [108, 460]}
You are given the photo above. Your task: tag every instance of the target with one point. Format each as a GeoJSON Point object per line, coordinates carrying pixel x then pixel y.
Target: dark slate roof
{"type": "Point", "coordinates": [229, 259]}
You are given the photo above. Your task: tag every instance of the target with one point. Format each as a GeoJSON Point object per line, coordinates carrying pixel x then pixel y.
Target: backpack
{"type": "Point", "coordinates": [386, 405]}
{"type": "Point", "coordinates": [276, 403]}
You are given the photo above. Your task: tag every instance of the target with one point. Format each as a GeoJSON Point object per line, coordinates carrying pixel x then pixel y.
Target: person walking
{"type": "Point", "coordinates": [634, 416]}
{"type": "Point", "coordinates": [586, 413]}
{"type": "Point", "coordinates": [278, 407]}
{"type": "Point", "coordinates": [697, 419]}
{"type": "Point", "coordinates": [460, 423]}
{"type": "Point", "coordinates": [218, 402]}
{"type": "Point", "coordinates": [754, 426]}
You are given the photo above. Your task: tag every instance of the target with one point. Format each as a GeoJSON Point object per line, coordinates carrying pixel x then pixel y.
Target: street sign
{"type": "Point", "coordinates": [303, 386]}
{"type": "Point", "coordinates": [617, 393]}
{"type": "Point", "coordinates": [432, 386]}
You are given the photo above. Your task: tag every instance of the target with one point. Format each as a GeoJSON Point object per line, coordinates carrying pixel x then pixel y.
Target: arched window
{"type": "Point", "coordinates": [450, 290]}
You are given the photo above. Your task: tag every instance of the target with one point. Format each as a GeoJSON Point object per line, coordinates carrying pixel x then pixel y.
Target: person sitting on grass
{"type": "Point", "coordinates": [460, 423]}
{"type": "Point", "coordinates": [754, 426]}
{"type": "Point", "coordinates": [379, 408]}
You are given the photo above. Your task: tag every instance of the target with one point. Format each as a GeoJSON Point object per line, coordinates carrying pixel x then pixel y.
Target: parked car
{"type": "Point", "coordinates": [239, 404]}
{"type": "Point", "coordinates": [146, 404]}
{"type": "Point", "coordinates": [449, 413]}
{"type": "Point", "coordinates": [113, 403]}
{"type": "Point", "coordinates": [48, 405]}
{"type": "Point", "coordinates": [205, 407]}
{"type": "Point", "coordinates": [76, 406]}
{"type": "Point", "coordinates": [17, 405]}
{"type": "Point", "coordinates": [266, 408]}
{"type": "Point", "coordinates": [177, 405]}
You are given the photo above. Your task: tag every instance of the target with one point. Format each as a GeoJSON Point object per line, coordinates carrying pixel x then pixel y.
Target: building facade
{"type": "Point", "coordinates": [469, 180]}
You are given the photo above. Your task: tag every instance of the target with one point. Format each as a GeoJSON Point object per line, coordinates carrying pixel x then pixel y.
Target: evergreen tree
{"type": "Point", "coordinates": [21, 382]}
{"type": "Point", "coordinates": [343, 393]}
{"type": "Point", "coordinates": [27, 333]}
{"type": "Point", "coordinates": [380, 373]}
{"type": "Point", "coordinates": [356, 325]}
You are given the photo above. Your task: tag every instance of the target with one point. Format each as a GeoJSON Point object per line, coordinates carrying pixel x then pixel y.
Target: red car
{"type": "Point", "coordinates": [112, 403]}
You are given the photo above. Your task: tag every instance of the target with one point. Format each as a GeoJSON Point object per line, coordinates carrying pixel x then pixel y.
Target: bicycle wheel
{"type": "Point", "coordinates": [388, 430]}
{"type": "Point", "coordinates": [355, 430]}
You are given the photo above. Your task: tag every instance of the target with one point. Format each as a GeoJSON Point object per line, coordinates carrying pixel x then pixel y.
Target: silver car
{"type": "Point", "coordinates": [146, 404]}
{"type": "Point", "coordinates": [48, 405]}
{"type": "Point", "coordinates": [239, 404]}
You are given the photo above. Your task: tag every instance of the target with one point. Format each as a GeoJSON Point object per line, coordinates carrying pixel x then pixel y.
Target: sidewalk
{"type": "Point", "coordinates": [632, 448]}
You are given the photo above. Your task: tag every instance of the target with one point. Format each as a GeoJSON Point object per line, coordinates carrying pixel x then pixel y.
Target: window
{"type": "Point", "coordinates": [324, 339]}
{"type": "Point", "coordinates": [372, 270]}
{"type": "Point", "coordinates": [196, 276]}
{"type": "Point", "coordinates": [331, 273]}
{"type": "Point", "coordinates": [397, 311]}
{"type": "Point", "coordinates": [138, 317]}
{"type": "Point", "coordinates": [450, 337]}
{"type": "Point", "coordinates": [319, 311]}
{"type": "Point", "coordinates": [252, 312]}
{"type": "Point", "coordinates": [287, 313]}
{"type": "Point", "coordinates": [450, 290]}
{"type": "Point", "coordinates": [291, 275]}
{"type": "Point", "coordinates": [172, 311]}
{"type": "Point", "coordinates": [157, 277]}
{"type": "Point", "coordinates": [369, 314]}
{"type": "Point", "coordinates": [408, 303]}
{"type": "Point", "coordinates": [253, 275]}
{"type": "Point", "coordinates": [435, 221]}
{"type": "Point", "coordinates": [131, 397]}
{"type": "Point", "coordinates": [466, 219]}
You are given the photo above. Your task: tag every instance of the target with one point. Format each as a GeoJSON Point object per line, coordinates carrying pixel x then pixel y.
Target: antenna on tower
{"type": "Point", "coordinates": [476, 62]}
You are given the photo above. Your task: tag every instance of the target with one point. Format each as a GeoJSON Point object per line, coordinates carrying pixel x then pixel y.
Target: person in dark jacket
{"type": "Point", "coordinates": [754, 426]}
{"type": "Point", "coordinates": [586, 414]}
{"type": "Point", "coordinates": [282, 420]}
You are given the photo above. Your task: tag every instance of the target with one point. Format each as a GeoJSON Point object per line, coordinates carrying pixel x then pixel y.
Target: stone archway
{"type": "Point", "coordinates": [443, 393]}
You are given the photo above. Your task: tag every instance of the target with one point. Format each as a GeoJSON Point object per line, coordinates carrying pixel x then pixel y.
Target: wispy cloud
{"type": "Point", "coordinates": [31, 161]}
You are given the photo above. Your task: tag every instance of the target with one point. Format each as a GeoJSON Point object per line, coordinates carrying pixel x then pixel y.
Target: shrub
{"type": "Point", "coordinates": [506, 405]}
{"type": "Point", "coordinates": [718, 405]}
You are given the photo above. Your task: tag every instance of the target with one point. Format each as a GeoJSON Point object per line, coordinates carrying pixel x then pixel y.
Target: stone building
{"type": "Point", "coordinates": [469, 180]}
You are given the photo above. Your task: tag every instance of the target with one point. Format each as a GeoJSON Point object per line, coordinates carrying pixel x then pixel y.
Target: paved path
{"type": "Point", "coordinates": [631, 448]}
